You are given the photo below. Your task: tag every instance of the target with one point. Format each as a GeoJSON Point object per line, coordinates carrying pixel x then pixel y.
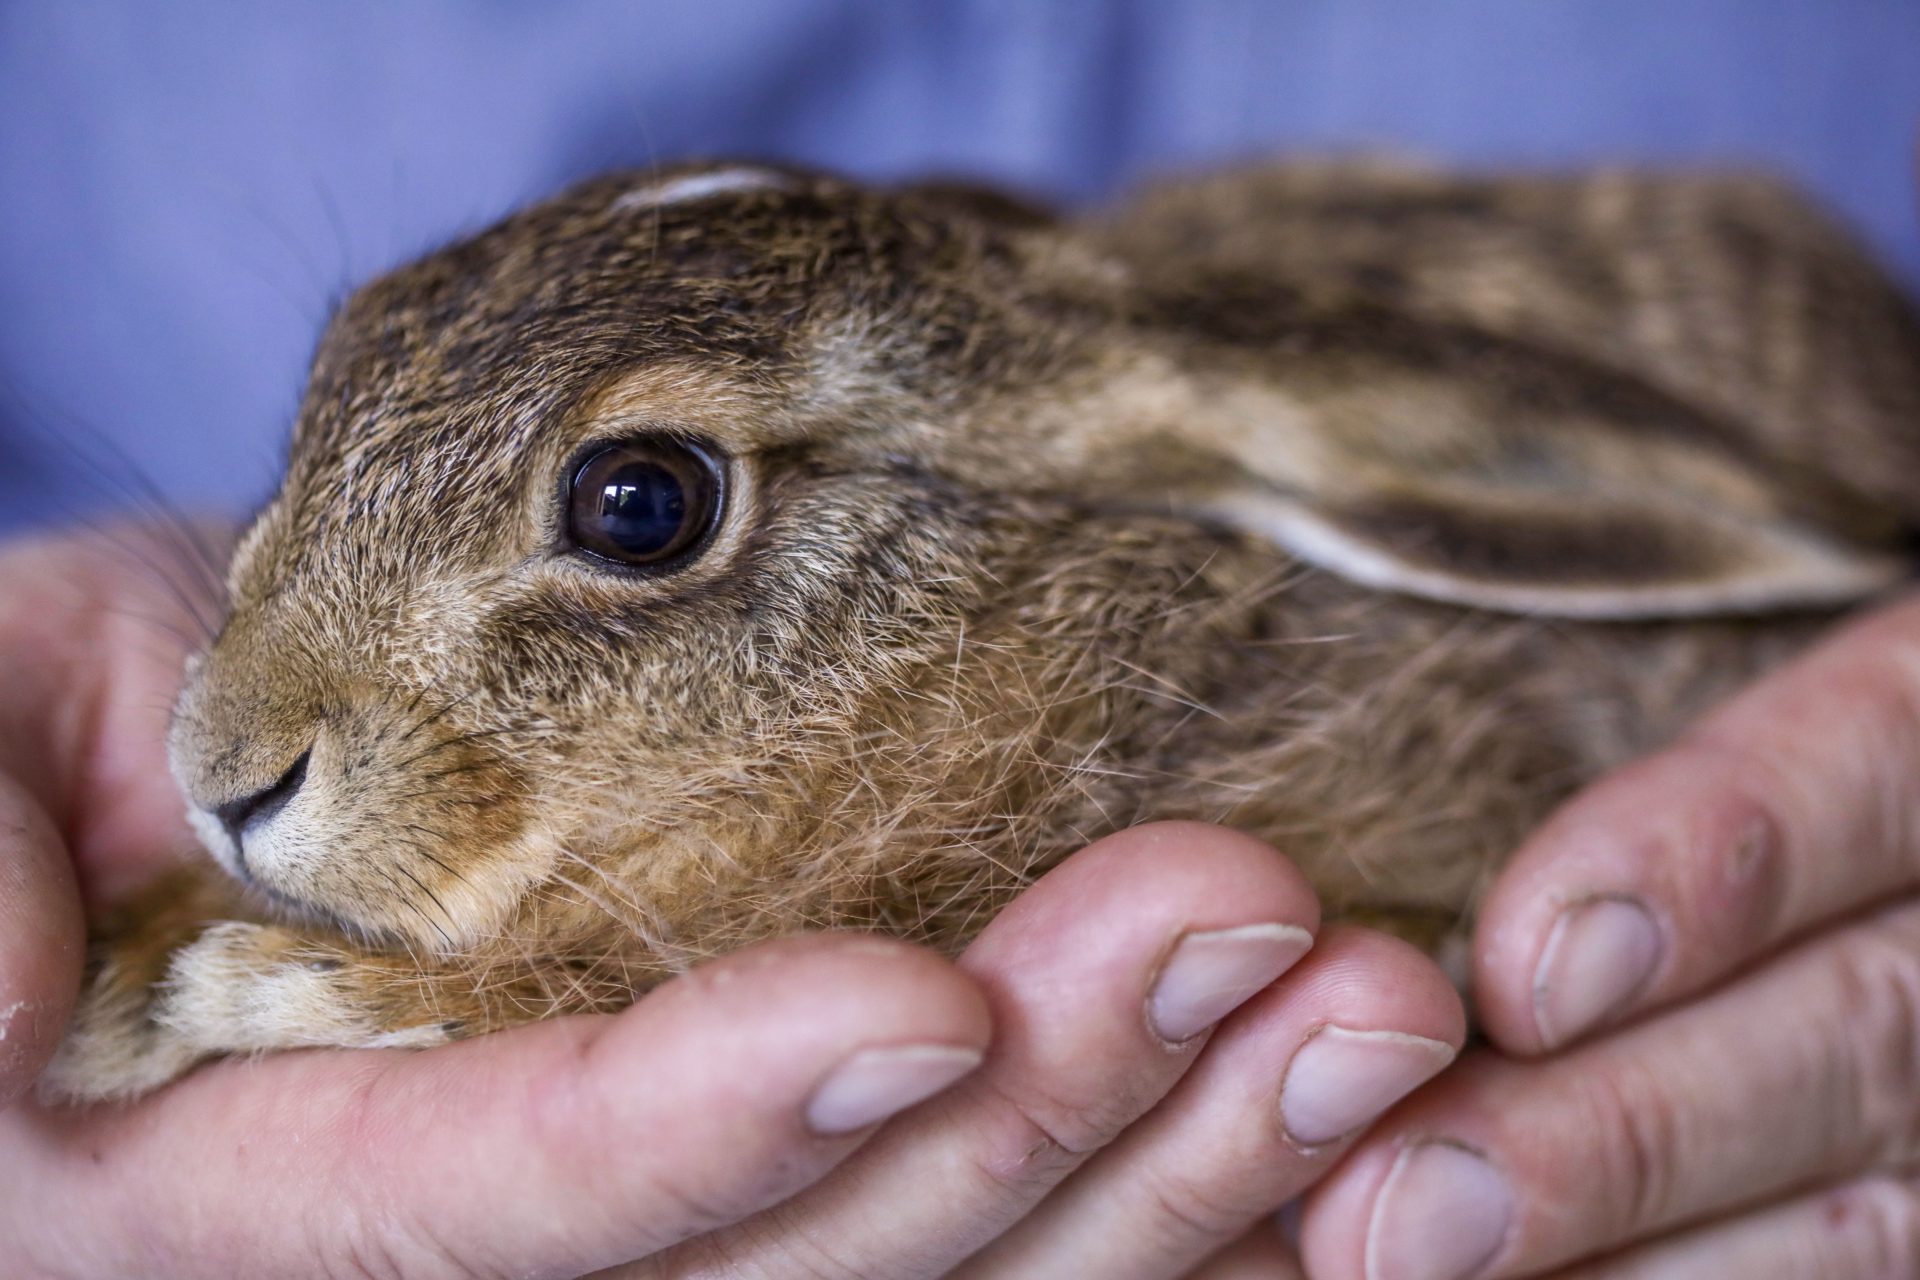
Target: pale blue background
{"type": "Point", "coordinates": [184, 186]}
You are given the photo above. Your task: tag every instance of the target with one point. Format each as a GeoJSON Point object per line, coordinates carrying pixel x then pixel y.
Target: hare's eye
{"type": "Point", "coordinates": [644, 502]}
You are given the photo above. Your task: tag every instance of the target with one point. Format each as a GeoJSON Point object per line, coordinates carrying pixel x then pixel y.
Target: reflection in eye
{"type": "Point", "coordinates": [644, 502]}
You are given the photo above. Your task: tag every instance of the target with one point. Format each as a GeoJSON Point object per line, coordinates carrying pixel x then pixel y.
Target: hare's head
{"type": "Point", "coordinates": [627, 523]}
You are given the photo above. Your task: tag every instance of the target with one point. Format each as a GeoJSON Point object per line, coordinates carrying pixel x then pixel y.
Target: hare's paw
{"type": "Point", "coordinates": [242, 988]}
{"type": "Point", "coordinates": [114, 1047]}
{"type": "Point", "coordinates": [234, 988]}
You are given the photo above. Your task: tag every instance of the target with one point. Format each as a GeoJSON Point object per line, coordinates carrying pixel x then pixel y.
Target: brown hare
{"type": "Point", "coordinates": [706, 554]}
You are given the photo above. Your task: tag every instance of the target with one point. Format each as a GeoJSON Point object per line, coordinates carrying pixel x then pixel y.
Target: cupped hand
{"type": "Point", "coordinates": [1707, 970]}
{"type": "Point", "coordinates": [1148, 1055]}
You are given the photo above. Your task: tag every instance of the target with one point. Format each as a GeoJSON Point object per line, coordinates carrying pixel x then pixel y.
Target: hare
{"type": "Point", "coordinates": [705, 554]}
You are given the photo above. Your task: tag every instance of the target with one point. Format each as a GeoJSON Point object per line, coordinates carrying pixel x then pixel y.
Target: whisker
{"type": "Point", "coordinates": [422, 850]}
{"type": "Point", "coordinates": [414, 907]}
{"type": "Point", "coordinates": [440, 714]}
{"type": "Point", "coordinates": [478, 735]}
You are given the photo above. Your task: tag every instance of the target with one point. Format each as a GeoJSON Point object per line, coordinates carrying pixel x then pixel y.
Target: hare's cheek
{"type": "Point", "coordinates": [422, 836]}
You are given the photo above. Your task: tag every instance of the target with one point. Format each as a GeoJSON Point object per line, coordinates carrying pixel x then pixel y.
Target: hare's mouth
{"type": "Point", "coordinates": [228, 843]}
{"type": "Point", "coordinates": [370, 821]}
{"type": "Point", "coordinates": [255, 812]}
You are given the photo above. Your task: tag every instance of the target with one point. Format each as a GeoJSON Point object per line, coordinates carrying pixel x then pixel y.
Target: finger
{"type": "Point", "coordinates": [1143, 939]}
{"type": "Point", "coordinates": [94, 628]}
{"type": "Point", "coordinates": [1260, 1254]}
{"type": "Point", "coordinates": [42, 939]}
{"type": "Point", "coordinates": [1793, 804]}
{"type": "Point", "coordinates": [1868, 1229]}
{"type": "Point", "coordinates": [1277, 1095]}
{"type": "Point", "coordinates": [1802, 1073]}
{"type": "Point", "coordinates": [549, 1150]}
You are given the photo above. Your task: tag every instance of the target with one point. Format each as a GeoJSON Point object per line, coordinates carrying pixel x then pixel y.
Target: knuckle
{"type": "Point", "coordinates": [358, 1259]}
{"type": "Point", "coordinates": [1041, 1137]}
{"type": "Point", "coordinates": [1024, 1164]}
{"type": "Point", "coordinates": [1641, 1136]}
{"type": "Point", "coordinates": [1751, 885]}
{"type": "Point", "coordinates": [1878, 977]}
{"type": "Point", "coordinates": [1084, 1120]}
{"type": "Point", "coordinates": [1886, 1212]}
{"type": "Point", "coordinates": [1739, 878]}
{"type": "Point", "coordinates": [1876, 690]}
{"type": "Point", "coordinates": [1182, 1212]}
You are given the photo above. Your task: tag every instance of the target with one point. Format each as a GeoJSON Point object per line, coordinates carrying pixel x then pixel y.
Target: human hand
{"type": "Point", "coordinates": [1153, 1142]}
{"type": "Point", "coordinates": [729, 1116]}
{"type": "Point", "coordinates": [1728, 935]}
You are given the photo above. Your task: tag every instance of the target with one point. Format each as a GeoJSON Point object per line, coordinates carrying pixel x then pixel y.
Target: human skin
{"type": "Point", "coordinates": [1732, 1088]}
{"type": "Point", "coordinates": [1145, 1028]}
{"type": "Point", "coordinates": [1702, 982]}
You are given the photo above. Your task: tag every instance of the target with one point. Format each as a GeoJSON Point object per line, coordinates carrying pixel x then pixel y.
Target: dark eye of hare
{"type": "Point", "coordinates": [644, 502]}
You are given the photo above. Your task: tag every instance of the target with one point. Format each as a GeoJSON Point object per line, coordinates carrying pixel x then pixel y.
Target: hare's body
{"type": "Point", "coordinates": [1367, 510]}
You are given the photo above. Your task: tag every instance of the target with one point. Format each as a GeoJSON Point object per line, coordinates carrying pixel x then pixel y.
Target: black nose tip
{"type": "Point", "coordinates": [237, 815]}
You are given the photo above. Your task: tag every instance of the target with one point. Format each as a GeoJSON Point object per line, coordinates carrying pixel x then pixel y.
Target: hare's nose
{"type": "Point", "coordinates": [237, 815]}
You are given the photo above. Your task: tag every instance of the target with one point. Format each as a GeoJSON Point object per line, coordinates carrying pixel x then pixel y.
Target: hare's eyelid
{"type": "Point", "coordinates": [612, 435]}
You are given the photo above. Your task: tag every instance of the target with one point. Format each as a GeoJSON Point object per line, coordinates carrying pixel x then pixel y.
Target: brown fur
{"type": "Point", "coordinates": [1002, 569]}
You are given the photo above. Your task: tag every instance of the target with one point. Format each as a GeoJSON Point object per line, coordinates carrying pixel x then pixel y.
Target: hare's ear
{"type": "Point", "coordinates": [684, 184]}
{"type": "Point", "coordinates": [1595, 555]}
{"type": "Point", "coordinates": [1518, 489]}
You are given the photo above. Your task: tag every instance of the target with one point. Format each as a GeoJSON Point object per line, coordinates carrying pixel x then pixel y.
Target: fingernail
{"type": "Point", "coordinates": [1442, 1214]}
{"type": "Point", "coordinates": [1209, 975]}
{"type": "Point", "coordinates": [1340, 1080]}
{"type": "Point", "coordinates": [1598, 957]}
{"type": "Point", "coordinates": [876, 1083]}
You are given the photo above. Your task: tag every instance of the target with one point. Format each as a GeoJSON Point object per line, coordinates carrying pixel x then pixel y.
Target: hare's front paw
{"type": "Point", "coordinates": [235, 988]}
{"type": "Point", "coordinates": [240, 988]}
{"type": "Point", "coordinates": [114, 1047]}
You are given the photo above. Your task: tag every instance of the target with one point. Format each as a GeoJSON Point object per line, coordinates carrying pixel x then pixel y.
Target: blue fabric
{"type": "Point", "coordinates": [185, 186]}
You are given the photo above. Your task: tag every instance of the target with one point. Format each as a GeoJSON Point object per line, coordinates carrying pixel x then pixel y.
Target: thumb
{"type": "Point", "coordinates": [42, 938]}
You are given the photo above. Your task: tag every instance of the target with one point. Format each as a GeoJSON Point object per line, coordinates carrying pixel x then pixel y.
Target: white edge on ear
{"type": "Point", "coordinates": [699, 186]}
{"type": "Point", "coordinates": [1799, 573]}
